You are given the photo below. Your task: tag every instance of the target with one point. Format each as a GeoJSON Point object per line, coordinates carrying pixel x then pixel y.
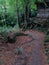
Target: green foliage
{"type": "Point", "coordinates": [8, 11]}
{"type": "Point", "coordinates": [10, 5]}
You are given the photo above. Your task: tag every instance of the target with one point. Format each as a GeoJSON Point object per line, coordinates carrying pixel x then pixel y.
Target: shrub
{"type": "Point", "coordinates": [4, 33]}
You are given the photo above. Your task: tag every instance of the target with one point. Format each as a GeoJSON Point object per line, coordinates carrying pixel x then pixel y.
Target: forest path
{"type": "Point", "coordinates": [38, 52]}
{"type": "Point", "coordinates": [33, 50]}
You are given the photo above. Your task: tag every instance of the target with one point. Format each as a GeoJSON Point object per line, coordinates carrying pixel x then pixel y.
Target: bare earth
{"type": "Point", "coordinates": [33, 52]}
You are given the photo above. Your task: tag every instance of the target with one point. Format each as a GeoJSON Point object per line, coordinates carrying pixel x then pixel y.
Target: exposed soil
{"type": "Point", "coordinates": [33, 52]}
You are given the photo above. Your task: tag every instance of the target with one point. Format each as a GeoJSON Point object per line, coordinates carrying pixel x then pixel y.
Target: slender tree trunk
{"type": "Point", "coordinates": [17, 10]}
{"type": "Point", "coordinates": [25, 20]}
{"type": "Point", "coordinates": [5, 15]}
{"type": "Point", "coordinates": [27, 12]}
{"type": "Point", "coordinates": [26, 15]}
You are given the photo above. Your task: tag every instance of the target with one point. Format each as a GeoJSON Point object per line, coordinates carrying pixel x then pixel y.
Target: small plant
{"type": "Point", "coordinates": [18, 51]}
{"type": "Point", "coordinates": [47, 38]}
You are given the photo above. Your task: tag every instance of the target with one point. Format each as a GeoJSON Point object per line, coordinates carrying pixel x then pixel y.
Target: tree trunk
{"type": "Point", "coordinates": [17, 10]}
{"type": "Point", "coordinates": [27, 12]}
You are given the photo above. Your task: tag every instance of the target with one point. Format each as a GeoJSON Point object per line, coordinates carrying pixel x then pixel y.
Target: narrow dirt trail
{"type": "Point", "coordinates": [34, 50]}
{"type": "Point", "coordinates": [38, 52]}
